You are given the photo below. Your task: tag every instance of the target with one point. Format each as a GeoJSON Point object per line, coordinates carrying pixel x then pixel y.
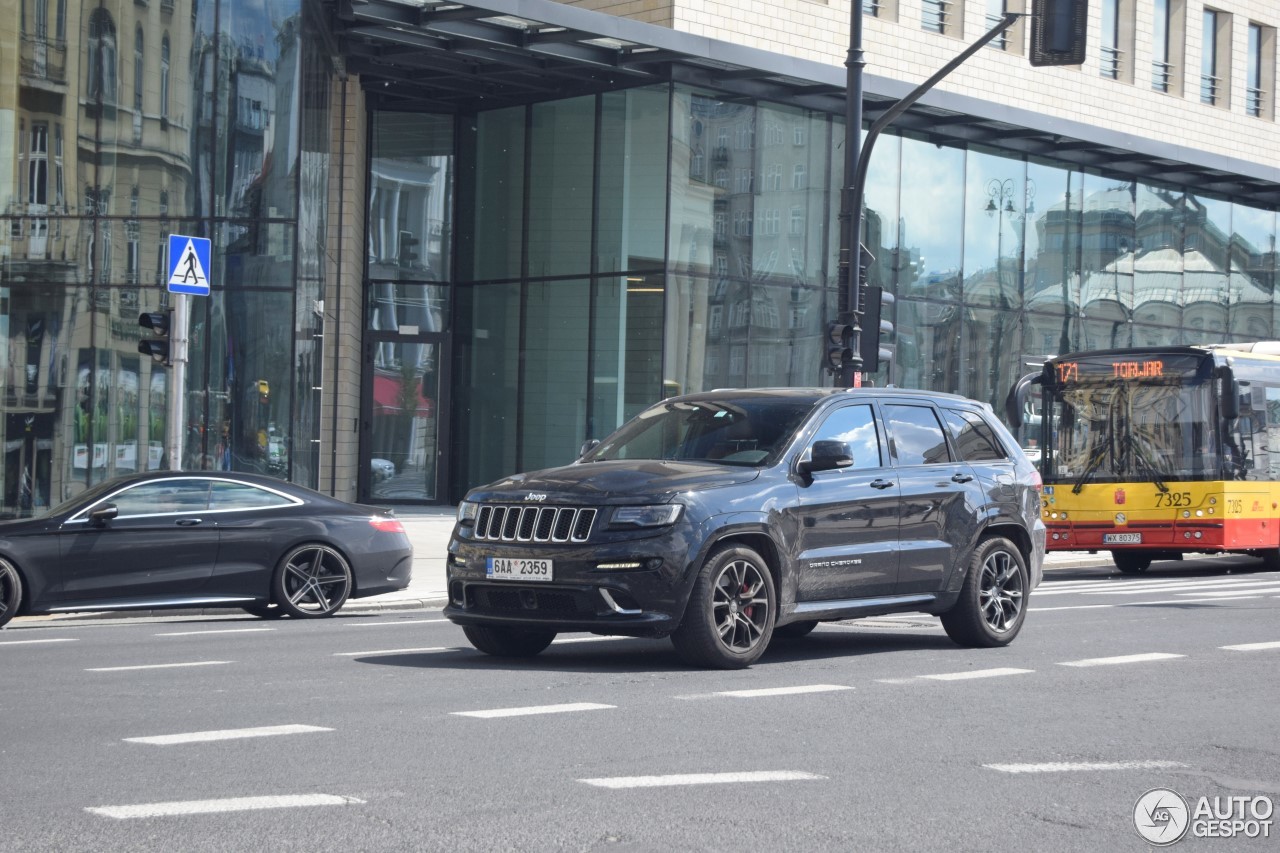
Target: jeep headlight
{"type": "Point", "coordinates": [645, 516]}
{"type": "Point", "coordinates": [467, 512]}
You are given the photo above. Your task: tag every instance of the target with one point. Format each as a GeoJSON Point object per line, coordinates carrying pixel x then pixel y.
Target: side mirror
{"type": "Point", "coordinates": [1016, 401]}
{"type": "Point", "coordinates": [100, 516]}
{"type": "Point", "coordinates": [1230, 404]}
{"type": "Point", "coordinates": [590, 445]}
{"type": "Point", "coordinates": [827, 456]}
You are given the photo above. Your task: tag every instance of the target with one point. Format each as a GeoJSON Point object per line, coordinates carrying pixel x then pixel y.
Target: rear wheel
{"type": "Point", "coordinates": [794, 630]}
{"type": "Point", "coordinates": [729, 619]}
{"type": "Point", "coordinates": [508, 642]}
{"type": "Point", "coordinates": [992, 603]}
{"type": "Point", "coordinates": [312, 581]}
{"type": "Point", "coordinates": [1131, 562]}
{"type": "Point", "coordinates": [10, 591]}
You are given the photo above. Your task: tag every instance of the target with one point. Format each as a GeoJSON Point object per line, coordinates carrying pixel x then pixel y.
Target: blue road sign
{"type": "Point", "coordinates": [188, 265]}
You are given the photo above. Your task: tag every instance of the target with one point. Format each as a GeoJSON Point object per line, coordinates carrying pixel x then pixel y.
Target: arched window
{"type": "Point", "coordinates": [164, 77]}
{"type": "Point", "coordinates": [138, 67]}
{"type": "Point", "coordinates": [102, 56]}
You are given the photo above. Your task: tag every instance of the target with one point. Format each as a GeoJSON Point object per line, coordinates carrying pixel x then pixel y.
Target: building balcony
{"type": "Point", "coordinates": [42, 58]}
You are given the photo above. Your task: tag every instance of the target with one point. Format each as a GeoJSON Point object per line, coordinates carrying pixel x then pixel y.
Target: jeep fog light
{"type": "Point", "coordinates": [645, 516]}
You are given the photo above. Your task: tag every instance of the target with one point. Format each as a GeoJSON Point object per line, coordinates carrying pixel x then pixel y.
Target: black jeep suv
{"type": "Point", "coordinates": [726, 518]}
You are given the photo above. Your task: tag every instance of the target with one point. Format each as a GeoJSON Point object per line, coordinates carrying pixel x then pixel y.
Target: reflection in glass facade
{"type": "Point", "coordinates": [123, 123]}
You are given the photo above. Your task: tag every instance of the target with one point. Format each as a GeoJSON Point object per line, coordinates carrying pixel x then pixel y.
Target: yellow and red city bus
{"type": "Point", "coordinates": [1156, 452]}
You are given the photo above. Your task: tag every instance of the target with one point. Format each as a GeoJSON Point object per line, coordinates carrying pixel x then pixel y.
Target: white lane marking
{"type": "Point", "coordinates": [1186, 600]}
{"type": "Point", "coordinates": [234, 804]}
{"type": "Point", "coordinates": [220, 631]}
{"type": "Point", "coordinates": [1073, 607]}
{"type": "Point", "coordinates": [226, 734]}
{"type": "Point", "coordinates": [405, 622]}
{"type": "Point", "coordinates": [1139, 587]}
{"type": "Point", "coordinates": [978, 673]}
{"type": "Point", "coordinates": [33, 642]}
{"type": "Point", "coordinates": [1144, 658]}
{"type": "Point", "coordinates": [1251, 647]}
{"type": "Point", "coordinates": [783, 691]}
{"type": "Point", "coordinates": [1232, 592]}
{"type": "Point", "coordinates": [587, 640]}
{"type": "Point", "coordinates": [393, 651]}
{"type": "Point", "coordinates": [1066, 767]}
{"type": "Point", "coordinates": [1202, 588]}
{"type": "Point", "coordinates": [536, 709]}
{"type": "Point", "coordinates": [701, 779]}
{"type": "Point", "coordinates": [159, 666]}
{"type": "Point", "coordinates": [911, 680]}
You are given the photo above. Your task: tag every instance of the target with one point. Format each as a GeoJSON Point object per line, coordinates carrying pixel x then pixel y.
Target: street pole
{"type": "Point", "coordinates": [178, 377]}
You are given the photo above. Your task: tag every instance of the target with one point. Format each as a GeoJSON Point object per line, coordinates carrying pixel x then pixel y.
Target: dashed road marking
{"type": "Point", "coordinates": [393, 651]}
{"type": "Point", "coordinates": [783, 691]}
{"type": "Point", "coordinates": [978, 673]}
{"type": "Point", "coordinates": [33, 642]}
{"type": "Point", "coordinates": [396, 622]}
{"type": "Point", "coordinates": [702, 779]}
{"type": "Point", "coordinates": [234, 804]}
{"type": "Point", "coordinates": [1251, 647]}
{"type": "Point", "coordinates": [536, 709]}
{"type": "Point", "coordinates": [226, 734]}
{"type": "Point", "coordinates": [159, 666]}
{"type": "Point", "coordinates": [1187, 601]}
{"type": "Point", "coordinates": [220, 631]}
{"type": "Point", "coordinates": [1120, 659]}
{"type": "Point", "coordinates": [1073, 607]}
{"type": "Point", "coordinates": [1067, 767]}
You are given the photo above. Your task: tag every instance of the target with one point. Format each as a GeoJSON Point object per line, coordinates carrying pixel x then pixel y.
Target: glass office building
{"type": "Point", "coordinates": [429, 273]}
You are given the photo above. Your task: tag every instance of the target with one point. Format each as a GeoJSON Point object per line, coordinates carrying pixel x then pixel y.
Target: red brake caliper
{"type": "Point", "coordinates": [747, 610]}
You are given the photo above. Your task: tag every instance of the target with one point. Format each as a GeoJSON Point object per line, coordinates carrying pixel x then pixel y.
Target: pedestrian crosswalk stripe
{"type": "Point", "coordinates": [226, 734]}
{"type": "Point", "coordinates": [233, 804]}
{"type": "Point", "coordinates": [701, 779]}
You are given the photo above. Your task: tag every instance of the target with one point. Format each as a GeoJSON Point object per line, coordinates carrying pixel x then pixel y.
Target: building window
{"type": "Point", "coordinates": [38, 166]}
{"type": "Point", "coordinates": [943, 16]}
{"type": "Point", "coordinates": [871, 8]}
{"type": "Point", "coordinates": [722, 178]}
{"type": "Point", "coordinates": [797, 221]}
{"type": "Point", "coordinates": [1111, 39]}
{"type": "Point", "coordinates": [798, 177]}
{"type": "Point", "coordinates": [1161, 67]}
{"type": "Point", "coordinates": [60, 21]}
{"type": "Point", "coordinates": [773, 178]}
{"type": "Point", "coordinates": [59, 189]}
{"type": "Point", "coordinates": [138, 71]}
{"type": "Point", "coordinates": [1259, 100]}
{"type": "Point", "coordinates": [798, 135]}
{"type": "Point", "coordinates": [102, 57]}
{"type": "Point", "coordinates": [995, 14]}
{"type": "Point", "coordinates": [1215, 59]}
{"type": "Point", "coordinates": [164, 77]}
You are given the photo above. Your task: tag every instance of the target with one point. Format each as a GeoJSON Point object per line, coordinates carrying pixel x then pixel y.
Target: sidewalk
{"type": "Point", "coordinates": [429, 530]}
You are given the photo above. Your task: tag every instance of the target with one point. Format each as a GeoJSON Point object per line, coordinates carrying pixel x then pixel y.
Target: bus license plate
{"type": "Point", "coordinates": [1122, 539]}
{"type": "Point", "coordinates": [517, 569]}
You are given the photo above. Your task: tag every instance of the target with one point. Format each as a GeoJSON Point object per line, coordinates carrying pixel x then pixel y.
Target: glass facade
{"type": "Point", "coordinates": [127, 122]}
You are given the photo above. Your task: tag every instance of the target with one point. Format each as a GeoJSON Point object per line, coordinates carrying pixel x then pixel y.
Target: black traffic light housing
{"type": "Point", "coordinates": [1058, 31]}
{"type": "Point", "coordinates": [839, 344]}
{"type": "Point", "coordinates": [161, 324]}
{"type": "Point", "coordinates": [877, 328]}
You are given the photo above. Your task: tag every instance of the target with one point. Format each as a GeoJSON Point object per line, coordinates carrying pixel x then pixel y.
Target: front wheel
{"type": "Point", "coordinates": [10, 592]}
{"type": "Point", "coordinates": [312, 581]}
{"type": "Point", "coordinates": [992, 603]}
{"type": "Point", "coordinates": [508, 642]}
{"type": "Point", "coordinates": [1131, 562]}
{"type": "Point", "coordinates": [729, 619]}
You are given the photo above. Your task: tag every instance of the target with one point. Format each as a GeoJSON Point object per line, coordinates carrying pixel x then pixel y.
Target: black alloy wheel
{"type": "Point", "coordinates": [508, 642]}
{"type": "Point", "coordinates": [10, 591]}
{"type": "Point", "coordinates": [992, 603]}
{"type": "Point", "coordinates": [312, 581]}
{"type": "Point", "coordinates": [729, 619]}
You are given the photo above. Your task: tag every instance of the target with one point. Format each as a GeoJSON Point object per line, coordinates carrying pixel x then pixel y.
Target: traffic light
{"type": "Point", "coordinates": [161, 324]}
{"type": "Point", "coordinates": [264, 391]}
{"type": "Point", "coordinates": [1058, 31]}
{"type": "Point", "coordinates": [407, 243]}
{"type": "Point", "coordinates": [839, 345]}
{"type": "Point", "coordinates": [877, 328]}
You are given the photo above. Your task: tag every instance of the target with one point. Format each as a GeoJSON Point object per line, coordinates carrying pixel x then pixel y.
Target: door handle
{"type": "Point", "coordinates": [961, 478]}
{"type": "Point", "coordinates": [881, 484]}
{"type": "Point", "coordinates": [188, 522]}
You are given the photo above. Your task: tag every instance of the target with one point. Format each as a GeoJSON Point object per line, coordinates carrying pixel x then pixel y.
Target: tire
{"type": "Point", "coordinates": [508, 642]}
{"type": "Point", "coordinates": [794, 630]}
{"type": "Point", "coordinates": [992, 603]}
{"type": "Point", "coordinates": [1131, 562]}
{"type": "Point", "coordinates": [311, 582]}
{"type": "Point", "coordinates": [1270, 560]}
{"type": "Point", "coordinates": [10, 592]}
{"type": "Point", "coordinates": [729, 619]}
{"type": "Point", "coordinates": [264, 611]}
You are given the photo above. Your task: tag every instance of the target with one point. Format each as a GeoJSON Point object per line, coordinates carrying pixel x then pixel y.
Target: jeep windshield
{"type": "Point", "coordinates": [745, 431]}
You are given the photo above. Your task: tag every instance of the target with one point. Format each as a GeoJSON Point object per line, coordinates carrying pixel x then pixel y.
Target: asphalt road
{"type": "Point", "coordinates": [387, 732]}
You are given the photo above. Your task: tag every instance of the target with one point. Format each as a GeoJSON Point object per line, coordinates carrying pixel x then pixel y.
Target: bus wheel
{"type": "Point", "coordinates": [1131, 562]}
{"type": "Point", "coordinates": [1270, 559]}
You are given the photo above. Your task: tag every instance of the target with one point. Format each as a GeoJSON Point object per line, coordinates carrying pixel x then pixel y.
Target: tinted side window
{"type": "Point", "coordinates": [856, 427]}
{"type": "Point", "coordinates": [973, 437]}
{"type": "Point", "coordinates": [916, 435]}
{"type": "Point", "coordinates": [243, 496]}
{"type": "Point", "coordinates": [162, 497]}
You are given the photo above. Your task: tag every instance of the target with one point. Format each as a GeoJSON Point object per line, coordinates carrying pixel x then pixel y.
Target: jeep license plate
{"type": "Point", "coordinates": [1122, 539]}
{"type": "Point", "coordinates": [517, 569]}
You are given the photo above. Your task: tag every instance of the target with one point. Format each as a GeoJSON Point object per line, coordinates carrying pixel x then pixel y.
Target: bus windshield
{"type": "Point", "coordinates": [1110, 432]}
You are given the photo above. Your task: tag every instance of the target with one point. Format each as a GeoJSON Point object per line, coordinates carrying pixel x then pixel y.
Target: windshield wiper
{"type": "Point", "coordinates": [1088, 471]}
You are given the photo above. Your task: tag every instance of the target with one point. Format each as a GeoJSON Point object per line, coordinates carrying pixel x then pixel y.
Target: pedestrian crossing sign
{"type": "Point", "coordinates": [188, 265]}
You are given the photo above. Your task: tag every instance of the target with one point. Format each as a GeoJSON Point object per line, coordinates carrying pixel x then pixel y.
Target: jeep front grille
{"type": "Point", "coordinates": [500, 523]}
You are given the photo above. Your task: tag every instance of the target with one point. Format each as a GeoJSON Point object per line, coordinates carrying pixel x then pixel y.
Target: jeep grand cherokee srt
{"type": "Point", "coordinates": [726, 518]}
